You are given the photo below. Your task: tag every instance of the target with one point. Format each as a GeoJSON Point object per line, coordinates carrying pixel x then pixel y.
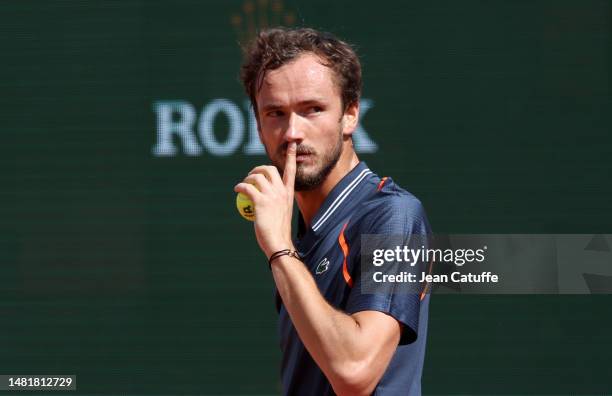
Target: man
{"type": "Point", "coordinates": [304, 87]}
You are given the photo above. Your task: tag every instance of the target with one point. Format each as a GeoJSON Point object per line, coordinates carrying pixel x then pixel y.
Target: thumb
{"type": "Point", "coordinates": [289, 172]}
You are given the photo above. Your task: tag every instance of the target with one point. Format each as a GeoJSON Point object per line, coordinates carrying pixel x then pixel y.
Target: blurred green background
{"type": "Point", "coordinates": [133, 270]}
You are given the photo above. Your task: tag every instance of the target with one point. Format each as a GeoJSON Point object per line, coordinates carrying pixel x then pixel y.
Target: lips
{"type": "Point", "coordinates": [303, 158]}
{"type": "Point", "coordinates": [303, 155]}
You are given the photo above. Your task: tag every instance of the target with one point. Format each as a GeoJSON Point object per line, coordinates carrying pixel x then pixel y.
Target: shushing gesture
{"type": "Point", "coordinates": [273, 199]}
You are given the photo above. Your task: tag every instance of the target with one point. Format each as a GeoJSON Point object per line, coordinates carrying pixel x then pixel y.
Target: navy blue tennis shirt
{"type": "Point", "coordinates": [361, 203]}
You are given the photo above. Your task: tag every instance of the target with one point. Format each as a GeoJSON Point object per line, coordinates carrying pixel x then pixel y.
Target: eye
{"type": "Point", "coordinates": [275, 113]}
{"type": "Point", "coordinates": [315, 109]}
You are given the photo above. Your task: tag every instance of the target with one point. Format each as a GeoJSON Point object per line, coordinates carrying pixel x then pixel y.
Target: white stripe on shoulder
{"type": "Point", "coordinates": [340, 198]}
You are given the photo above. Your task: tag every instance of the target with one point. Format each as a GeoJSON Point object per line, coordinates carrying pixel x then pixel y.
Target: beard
{"type": "Point", "coordinates": [323, 164]}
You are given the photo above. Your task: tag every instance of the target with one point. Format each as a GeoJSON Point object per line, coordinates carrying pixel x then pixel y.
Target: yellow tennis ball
{"type": "Point", "coordinates": [245, 206]}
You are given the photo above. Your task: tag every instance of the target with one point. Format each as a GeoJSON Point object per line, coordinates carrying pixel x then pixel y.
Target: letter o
{"type": "Point", "coordinates": [207, 133]}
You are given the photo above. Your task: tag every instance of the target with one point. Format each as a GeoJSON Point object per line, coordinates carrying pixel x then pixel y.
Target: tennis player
{"type": "Point", "coordinates": [304, 86]}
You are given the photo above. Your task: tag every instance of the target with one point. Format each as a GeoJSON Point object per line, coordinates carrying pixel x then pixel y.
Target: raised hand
{"type": "Point", "coordinates": [273, 199]}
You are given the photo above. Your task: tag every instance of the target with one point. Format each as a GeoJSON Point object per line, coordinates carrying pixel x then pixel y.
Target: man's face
{"type": "Point", "coordinates": [301, 102]}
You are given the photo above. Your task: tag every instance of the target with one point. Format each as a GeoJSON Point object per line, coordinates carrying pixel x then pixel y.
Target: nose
{"type": "Point", "coordinates": [295, 129]}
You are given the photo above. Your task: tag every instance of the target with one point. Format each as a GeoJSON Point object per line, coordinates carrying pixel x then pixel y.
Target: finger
{"type": "Point", "coordinates": [270, 172]}
{"type": "Point", "coordinates": [249, 190]}
{"type": "Point", "coordinates": [289, 173]}
{"type": "Point", "coordinates": [260, 181]}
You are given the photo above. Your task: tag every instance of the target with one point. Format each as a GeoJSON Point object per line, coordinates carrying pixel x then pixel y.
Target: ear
{"type": "Point", "coordinates": [350, 119]}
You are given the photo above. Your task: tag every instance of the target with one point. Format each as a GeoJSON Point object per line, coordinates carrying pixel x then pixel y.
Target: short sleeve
{"type": "Point", "coordinates": [397, 215]}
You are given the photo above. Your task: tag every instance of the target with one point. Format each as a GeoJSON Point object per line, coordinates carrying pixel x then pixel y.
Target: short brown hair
{"type": "Point", "coordinates": [273, 48]}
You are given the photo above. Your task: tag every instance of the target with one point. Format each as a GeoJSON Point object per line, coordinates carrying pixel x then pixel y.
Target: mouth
{"type": "Point", "coordinates": [302, 158]}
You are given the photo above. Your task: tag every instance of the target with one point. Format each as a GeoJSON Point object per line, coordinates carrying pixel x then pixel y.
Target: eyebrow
{"type": "Point", "coordinates": [274, 106]}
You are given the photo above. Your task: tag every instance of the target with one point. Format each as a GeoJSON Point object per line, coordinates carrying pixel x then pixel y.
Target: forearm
{"type": "Point", "coordinates": [334, 339]}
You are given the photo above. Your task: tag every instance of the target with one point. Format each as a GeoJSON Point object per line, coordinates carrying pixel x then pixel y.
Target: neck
{"type": "Point", "coordinates": [310, 201]}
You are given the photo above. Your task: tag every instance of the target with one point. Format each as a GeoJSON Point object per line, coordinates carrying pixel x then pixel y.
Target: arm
{"type": "Point", "coordinates": [353, 351]}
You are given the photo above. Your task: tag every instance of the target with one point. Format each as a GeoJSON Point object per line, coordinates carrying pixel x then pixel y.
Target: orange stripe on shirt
{"type": "Point", "coordinates": [345, 250]}
{"type": "Point", "coordinates": [382, 183]}
{"type": "Point", "coordinates": [427, 285]}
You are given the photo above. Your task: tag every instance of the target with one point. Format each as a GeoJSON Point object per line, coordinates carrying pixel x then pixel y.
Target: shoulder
{"type": "Point", "coordinates": [391, 209]}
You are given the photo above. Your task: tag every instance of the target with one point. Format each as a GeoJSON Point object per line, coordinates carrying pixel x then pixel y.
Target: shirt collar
{"type": "Point", "coordinates": [337, 197]}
